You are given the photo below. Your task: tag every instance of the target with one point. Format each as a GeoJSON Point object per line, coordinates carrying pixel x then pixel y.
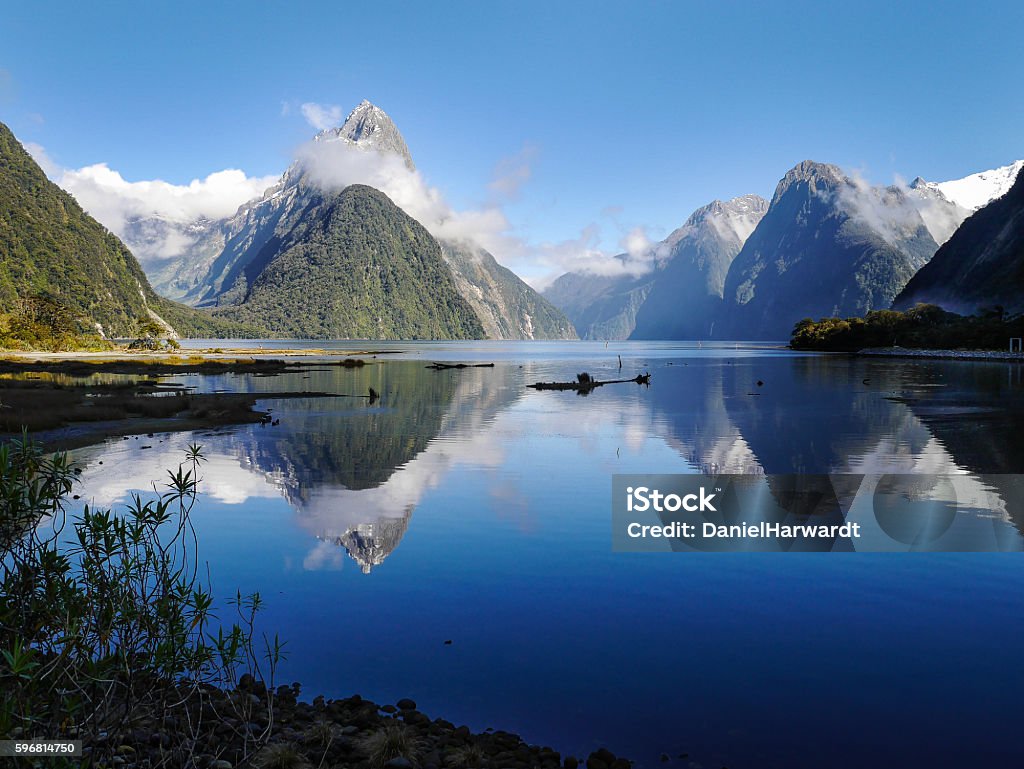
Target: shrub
{"type": "Point", "coordinates": [104, 625]}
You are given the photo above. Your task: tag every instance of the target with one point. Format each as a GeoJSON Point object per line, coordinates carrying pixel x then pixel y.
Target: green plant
{"type": "Point", "coordinates": [105, 625]}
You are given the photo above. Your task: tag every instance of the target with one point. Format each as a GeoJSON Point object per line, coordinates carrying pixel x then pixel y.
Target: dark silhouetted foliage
{"type": "Point", "coordinates": [925, 326]}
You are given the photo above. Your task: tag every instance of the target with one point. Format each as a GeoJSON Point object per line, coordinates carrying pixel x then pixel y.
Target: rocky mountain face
{"type": "Point", "coordinates": [981, 266]}
{"type": "Point", "coordinates": [507, 307]}
{"type": "Point", "coordinates": [369, 128]}
{"type": "Point", "coordinates": [50, 246]}
{"type": "Point", "coordinates": [227, 276]}
{"type": "Point", "coordinates": [222, 261]}
{"type": "Point", "coordinates": [687, 295]}
{"type": "Point", "coordinates": [174, 254]}
{"type": "Point", "coordinates": [352, 265]}
{"type": "Point", "coordinates": [941, 216]}
{"type": "Point", "coordinates": [680, 296]}
{"type": "Point", "coordinates": [827, 246]}
{"type": "Point", "coordinates": [599, 306]}
{"type": "Point", "coordinates": [228, 268]}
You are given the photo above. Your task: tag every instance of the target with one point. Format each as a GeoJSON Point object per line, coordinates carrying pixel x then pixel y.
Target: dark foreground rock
{"type": "Point", "coordinates": [254, 727]}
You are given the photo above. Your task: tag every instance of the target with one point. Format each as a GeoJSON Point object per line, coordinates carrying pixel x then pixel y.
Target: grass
{"type": "Point", "coordinates": [469, 756]}
{"type": "Point", "coordinates": [393, 741]}
{"type": "Point", "coordinates": [321, 734]}
{"type": "Point", "coordinates": [281, 755]}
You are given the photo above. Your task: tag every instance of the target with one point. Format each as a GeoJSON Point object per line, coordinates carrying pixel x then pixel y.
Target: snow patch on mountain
{"type": "Point", "coordinates": [978, 190]}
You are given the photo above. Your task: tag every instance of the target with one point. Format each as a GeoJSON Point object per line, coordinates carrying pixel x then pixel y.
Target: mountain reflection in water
{"type": "Point", "coordinates": [478, 510]}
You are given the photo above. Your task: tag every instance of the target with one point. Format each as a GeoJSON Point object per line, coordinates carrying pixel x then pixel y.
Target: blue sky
{"type": "Point", "coordinates": [620, 114]}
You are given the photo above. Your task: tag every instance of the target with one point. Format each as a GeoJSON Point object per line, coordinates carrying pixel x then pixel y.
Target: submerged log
{"type": "Point", "coordinates": [585, 383]}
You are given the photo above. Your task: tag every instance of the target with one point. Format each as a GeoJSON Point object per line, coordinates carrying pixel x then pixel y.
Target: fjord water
{"type": "Point", "coordinates": [463, 506]}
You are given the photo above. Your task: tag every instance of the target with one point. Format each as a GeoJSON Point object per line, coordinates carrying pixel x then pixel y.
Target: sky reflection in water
{"type": "Point", "coordinates": [463, 506]}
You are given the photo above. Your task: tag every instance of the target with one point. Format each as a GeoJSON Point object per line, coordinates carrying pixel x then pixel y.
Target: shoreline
{"type": "Point", "coordinates": [189, 354]}
{"type": "Point", "coordinates": [255, 725]}
{"type": "Point", "coordinates": [63, 416]}
{"type": "Point", "coordinates": [909, 352]}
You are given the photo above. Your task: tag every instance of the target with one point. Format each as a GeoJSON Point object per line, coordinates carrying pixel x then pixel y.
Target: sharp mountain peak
{"type": "Point", "coordinates": [370, 127]}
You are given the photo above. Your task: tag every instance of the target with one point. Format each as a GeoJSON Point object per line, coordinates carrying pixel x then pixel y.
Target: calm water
{"type": "Point", "coordinates": [464, 506]}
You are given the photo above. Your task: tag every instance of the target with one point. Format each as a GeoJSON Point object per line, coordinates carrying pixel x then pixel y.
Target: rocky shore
{"type": "Point", "coordinates": [907, 352]}
{"type": "Point", "coordinates": [285, 732]}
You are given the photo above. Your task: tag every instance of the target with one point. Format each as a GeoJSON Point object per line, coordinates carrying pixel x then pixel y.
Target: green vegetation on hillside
{"type": "Point", "coordinates": [355, 266]}
{"type": "Point", "coordinates": [66, 282]}
{"type": "Point", "coordinates": [923, 327]}
{"type": "Point", "coordinates": [49, 245]}
{"type": "Point", "coordinates": [42, 322]}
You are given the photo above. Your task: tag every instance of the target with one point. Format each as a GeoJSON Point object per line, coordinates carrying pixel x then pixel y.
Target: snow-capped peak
{"type": "Point", "coordinates": [977, 190]}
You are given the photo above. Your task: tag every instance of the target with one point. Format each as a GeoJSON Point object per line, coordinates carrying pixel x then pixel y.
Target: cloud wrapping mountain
{"type": "Point", "coordinates": [829, 245]}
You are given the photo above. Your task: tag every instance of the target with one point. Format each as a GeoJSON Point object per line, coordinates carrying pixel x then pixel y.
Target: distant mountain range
{"type": "Point", "coordinates": [827, 245]}
{"type": "Point", "coordinates": [308, 260]}
{"type": "Point", "coordinates": [680, 297]}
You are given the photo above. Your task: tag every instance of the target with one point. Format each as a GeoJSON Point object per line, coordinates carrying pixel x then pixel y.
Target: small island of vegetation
{"type": "Point", "coordinates": [923, 327]}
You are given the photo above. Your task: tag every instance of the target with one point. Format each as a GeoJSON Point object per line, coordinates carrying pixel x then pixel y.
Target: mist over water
{"type": "Point", "coordinates": [463, 506]}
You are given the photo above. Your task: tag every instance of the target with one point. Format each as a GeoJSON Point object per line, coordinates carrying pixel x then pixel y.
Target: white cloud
{"type": "Point", "coordinates": [897, 211]}
{"type": "Point", "coordinates": [636, 243]}
{"type": "Point", "coordinates": [112, 199]}
{"type": "Point", "coordinates": [223, 478]}
{"type": "Point", "coordinates": [335, 164]}
{"type": "Point", "coordinates": [321, 116]}
{"type": "Point", "coordinates": [115, 202]}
